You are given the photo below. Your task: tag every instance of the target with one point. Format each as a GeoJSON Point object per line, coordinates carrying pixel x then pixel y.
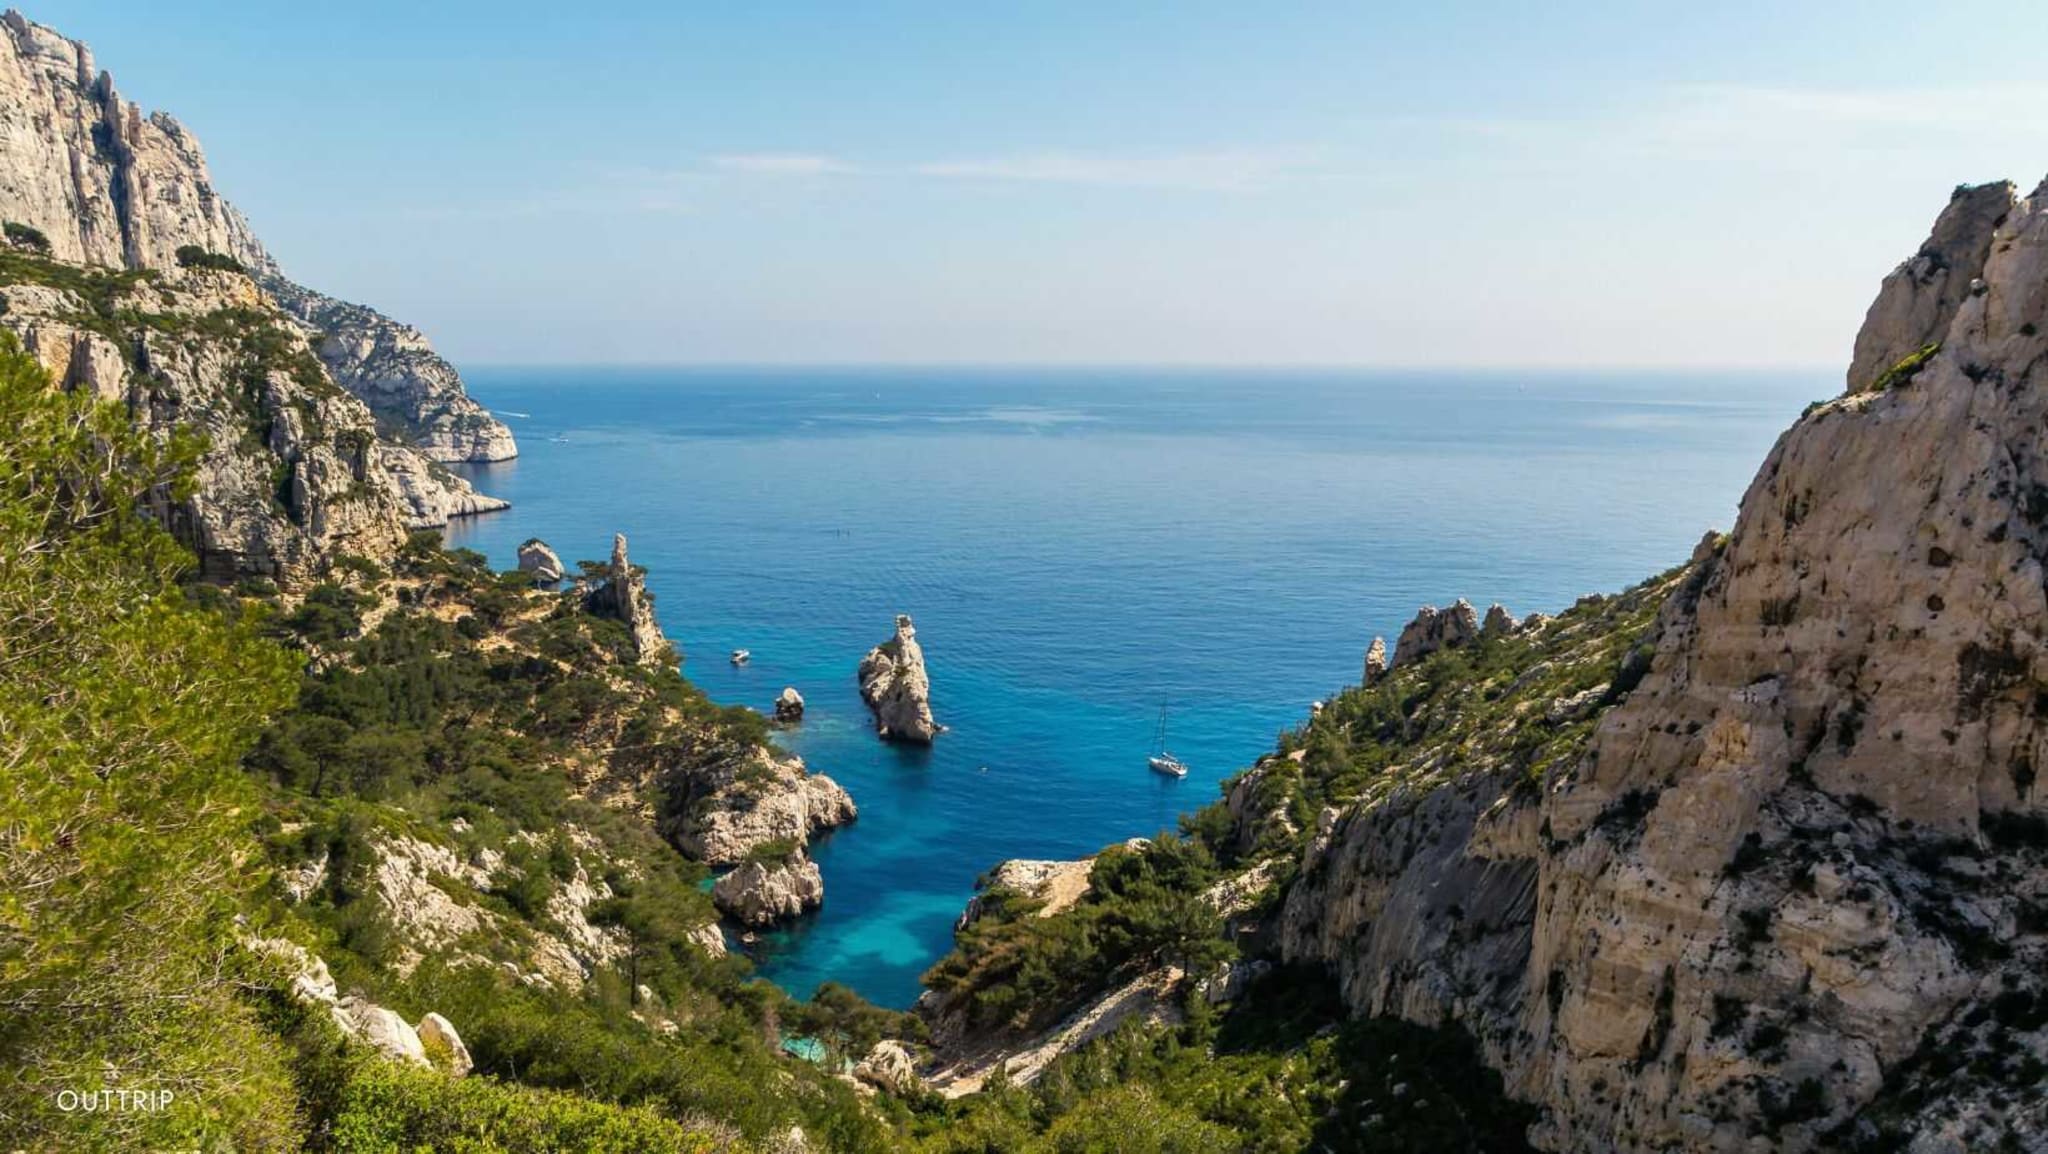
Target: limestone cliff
{"type": "Point", "coordinates": [414, 392]}
{"type": "Point", "coordinates": [100, 183]}
{"type": "Point", "coordinates": [292, 474]}
{"type": "Point", "coordinates": [897, 689]}
{"type": "Point", "coordinates": [1793, 893]}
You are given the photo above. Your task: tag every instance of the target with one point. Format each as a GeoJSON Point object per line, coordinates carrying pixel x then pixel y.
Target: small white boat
{"type": "Point", "coordinates": [1164, 761]}
{"type": "Point", "coordinates": [741, 657]}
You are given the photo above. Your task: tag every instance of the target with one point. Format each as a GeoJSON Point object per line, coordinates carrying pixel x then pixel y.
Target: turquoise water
{"type": "Point", "coordinates": [1080, 548]}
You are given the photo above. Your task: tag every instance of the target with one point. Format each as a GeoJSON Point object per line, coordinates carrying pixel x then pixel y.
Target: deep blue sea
{"type": "Point", "coordinates": [1080, 548]}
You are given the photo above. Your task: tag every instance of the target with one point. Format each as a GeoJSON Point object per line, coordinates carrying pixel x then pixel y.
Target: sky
{"type": "Point", "coordinates": [1454, 184]}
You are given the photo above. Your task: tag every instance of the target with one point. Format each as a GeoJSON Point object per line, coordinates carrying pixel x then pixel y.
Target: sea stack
{"type": "Point", "coordinates": [894, 684]}
{"type": "Point", "coordinates": [789, 706]}
{"type": "Point", "coordinates": [624, 597]}
{"type": "Point", "coordinates": [544, 563]}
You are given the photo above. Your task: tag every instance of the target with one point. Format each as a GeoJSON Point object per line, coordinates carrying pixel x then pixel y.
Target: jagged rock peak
{"type": "Point", "coordinates": [1499, 622]}
{"type": "Point", "coordinates": [1375, 661]}
{"type": "Point", "coordinates": [537, 558]}
{"type": "Point", "coordinates": [1435, 629]}
{"type": "Point", "coordinates": [1920, 297]}
{"type": "Point", "coordinates": [623, 596]}
{"type": "Point", "coordinates": [896, 687]}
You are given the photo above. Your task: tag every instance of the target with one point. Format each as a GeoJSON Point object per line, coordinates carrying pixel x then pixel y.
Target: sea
{"type": "Point", "coordinates": [1086, 551]}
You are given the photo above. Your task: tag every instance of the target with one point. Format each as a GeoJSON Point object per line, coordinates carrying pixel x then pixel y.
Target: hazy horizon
{"type": "Point", "coordinates": [1464, 187]}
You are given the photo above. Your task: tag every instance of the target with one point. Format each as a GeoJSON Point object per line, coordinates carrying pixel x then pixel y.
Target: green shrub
{"type": "Point", "coordinates": [193, 256]}
{"type": "Point", "coordinates": [26, 236]}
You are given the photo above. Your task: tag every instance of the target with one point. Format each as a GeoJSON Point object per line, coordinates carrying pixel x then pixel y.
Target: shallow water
{"type": "Point", "coordinates": [1080, 548]}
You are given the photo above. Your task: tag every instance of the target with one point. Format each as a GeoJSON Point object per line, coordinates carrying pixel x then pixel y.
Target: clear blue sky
{"type": "Point", "coordinates": [1456, 184]}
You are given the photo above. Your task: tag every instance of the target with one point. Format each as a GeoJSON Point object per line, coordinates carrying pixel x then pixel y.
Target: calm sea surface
{"type": "Point", "coordinates": [1081, 548]}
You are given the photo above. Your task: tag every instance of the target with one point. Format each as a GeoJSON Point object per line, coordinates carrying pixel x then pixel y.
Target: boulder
{"type": "Point", "coordinates": [544, 563]}
{"type": "Point", "coordinates": [380, 1028]}
{"type": "Point", "coordinates": [896, 687]}
{"type": "Point", "coordinates": [443, 1045]}
{"type": "Point", "coordinates": [889, 1066]}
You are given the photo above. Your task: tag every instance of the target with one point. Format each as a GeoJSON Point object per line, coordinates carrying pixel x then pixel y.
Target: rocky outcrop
{"type": "Point", "coordinates": [789, 706]}
{"type": "Point", "coordinates": [1919, 300]}
{"type": "Point", "coordinates": [1791, 894]}
{"type": "Point", "coordinates": [888, 1066]}
{"type": "Point", "coordinates": [1499, 622]}
{"type": "Point", "coordinates": [434, 1043]}
{"type": "Point", "coordinates": [1435, 629]}
{"type": "Point", "coordinates": [537, 558]}
{"type": "Point", "coordinates": [732, 807]}
{"type": "Point", "coordinates": [761, 893]}
{"type": "Point", "coordinates": [414, 392]}
{"type": "Point", "coordinates": [894, 684]}
{"type": "Point", "coordinates": [1055, 885]}
{"type": "Point", "coordinates": [623, 596]}
{"type": "Point", "coordinates": [1375, 661]}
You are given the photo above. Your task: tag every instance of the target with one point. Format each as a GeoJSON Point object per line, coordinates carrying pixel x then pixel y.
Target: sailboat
{"type": "Point", "coordinates": [1164, 761]}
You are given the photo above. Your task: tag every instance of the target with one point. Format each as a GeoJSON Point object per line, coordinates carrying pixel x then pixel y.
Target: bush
{"type": "Point", "coordinates": [27, 236]}
{"type": "Point", "coordinates": [386, 1105]}
{"type": "Point", "coordinates": [192, 256]}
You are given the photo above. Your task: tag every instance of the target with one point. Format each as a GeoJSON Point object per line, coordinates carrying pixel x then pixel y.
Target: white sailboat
{"type": "Point", "coordinates": [1164, 761]}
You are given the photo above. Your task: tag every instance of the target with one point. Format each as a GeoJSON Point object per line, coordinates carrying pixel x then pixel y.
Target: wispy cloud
{"type": "Point", "coordinates": [780, 163]}
{"type": "Point", "coordinates": [1217, 171]}
{"type": "Point", "coordinates": [1228, 171]}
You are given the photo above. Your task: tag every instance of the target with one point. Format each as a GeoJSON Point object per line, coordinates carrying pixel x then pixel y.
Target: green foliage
{"type": "Point", "coordinates": [1273, 1075]}
{"type": "Point", "coordinates": [387, 1105]}
{"type": "Point", "coordinates": [1909, 366]}
{"type": "Point", "coordinates": [1011, 968]}
{"type": "Point", "coordinates": [124, 709]}
{"type": "Point", "coordinates": [193, 256]}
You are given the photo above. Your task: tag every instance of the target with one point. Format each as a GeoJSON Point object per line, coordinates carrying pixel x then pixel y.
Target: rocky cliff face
{"type": "Point", "coordinates": [104, 183]}
{"type": "Point", "coordinates": [897, 689]}
{"type": "Point", "coordinates": [108, 186]}
{"type": "Point", "coordinates": [1792, 894]}
{"type": "Point", "coordinates": [292, 475]}
{"type": "Point", "coordinates": [413, 391]}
